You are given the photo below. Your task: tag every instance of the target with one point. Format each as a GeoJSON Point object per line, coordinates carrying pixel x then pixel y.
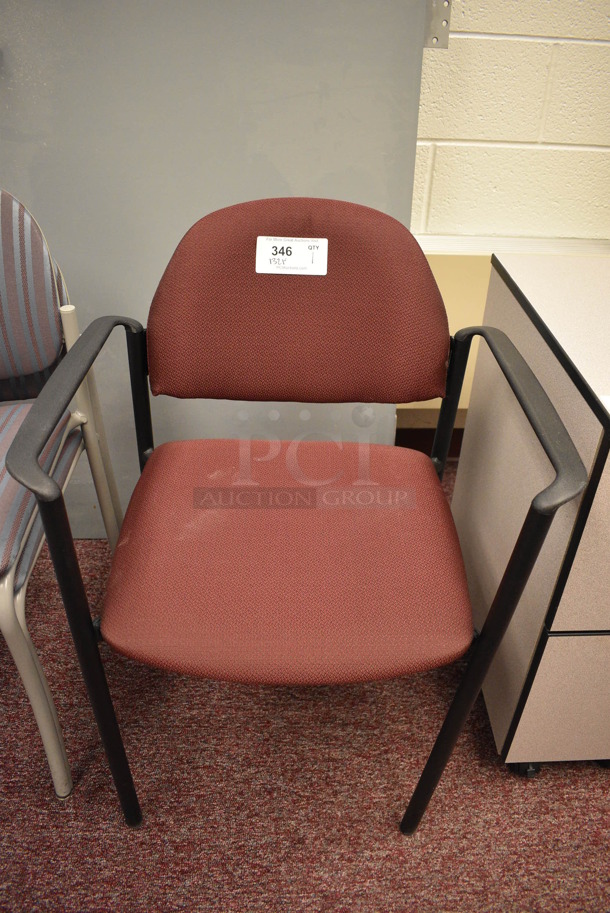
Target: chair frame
{"type": "Point", "coordinates": [569, 481]}
{"type": "Point", "coordinates": [14, 629]}
{"type": "Point", "coordinates": [85, 415]}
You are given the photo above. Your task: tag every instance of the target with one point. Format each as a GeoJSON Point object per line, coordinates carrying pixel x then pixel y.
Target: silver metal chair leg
{"type": "Point", "coordinates": [34, 680]}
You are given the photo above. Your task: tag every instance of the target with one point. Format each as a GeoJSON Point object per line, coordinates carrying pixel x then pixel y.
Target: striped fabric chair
{"type": "Point", "coordinates": [37, 324]}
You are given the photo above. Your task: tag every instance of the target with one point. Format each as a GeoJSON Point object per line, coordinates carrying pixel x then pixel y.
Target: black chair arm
{"type": "Point", "coordinates": [570, 479]}
{"type": "Point", "coordinates": [571, 475]}
{"type": "Point", "coordinates": [22, 457]}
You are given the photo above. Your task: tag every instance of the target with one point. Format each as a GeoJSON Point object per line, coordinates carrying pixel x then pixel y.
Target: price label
{"type": "Point", "coordinates": [292, 256]}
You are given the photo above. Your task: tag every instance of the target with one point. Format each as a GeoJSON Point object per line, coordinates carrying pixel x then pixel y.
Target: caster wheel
{"type": "Point", "coordinates": [529, 769]}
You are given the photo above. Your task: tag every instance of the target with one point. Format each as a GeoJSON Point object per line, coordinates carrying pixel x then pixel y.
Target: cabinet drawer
{"type": "Point", "coordinates": [585, 602]}
{"type": "Point", "coordinates": [567, 713]}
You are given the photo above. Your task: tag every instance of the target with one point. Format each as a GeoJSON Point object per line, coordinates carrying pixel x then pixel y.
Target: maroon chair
{"type": "Point", "coordinates": [301, 562]}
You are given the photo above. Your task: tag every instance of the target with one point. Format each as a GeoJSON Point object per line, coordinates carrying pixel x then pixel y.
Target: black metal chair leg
{"type": "Point", "coordinates": [103, 709]}
{"type": "Point", "coordinates": [458, 713]}
{"type": "Point", "coordinates": [63, 554]}
{"type": "Point", "coordinates": [521, 562]}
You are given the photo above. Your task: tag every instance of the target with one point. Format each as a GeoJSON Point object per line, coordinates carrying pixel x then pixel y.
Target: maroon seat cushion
{"type": "Point", "coordinates": [295, 563]}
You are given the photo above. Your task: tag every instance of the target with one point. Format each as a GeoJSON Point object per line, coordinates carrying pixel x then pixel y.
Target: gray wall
{"type": "Point", "coordinates": [122, 123]}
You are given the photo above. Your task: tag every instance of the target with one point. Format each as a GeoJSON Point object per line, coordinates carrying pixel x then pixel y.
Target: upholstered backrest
{"type": "Point", "coordinates": [373, 329]}
{"type": "Point", "coordinates": [30, 326]}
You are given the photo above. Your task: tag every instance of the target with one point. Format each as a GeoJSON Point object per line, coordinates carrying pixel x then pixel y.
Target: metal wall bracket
{"type": "Point", "coordinates": [438, 13]}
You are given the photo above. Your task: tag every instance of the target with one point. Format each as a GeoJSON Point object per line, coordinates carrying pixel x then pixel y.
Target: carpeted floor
{"type": "Point", "coordinates": [260, 799]}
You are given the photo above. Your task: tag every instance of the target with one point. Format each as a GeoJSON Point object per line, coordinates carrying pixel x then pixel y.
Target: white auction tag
{"type": "Point", "coordinates": [296, 256]}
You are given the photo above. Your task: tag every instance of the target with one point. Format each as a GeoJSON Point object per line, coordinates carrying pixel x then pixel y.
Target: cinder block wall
{"type": "Point", "coordinates": [514, 124]}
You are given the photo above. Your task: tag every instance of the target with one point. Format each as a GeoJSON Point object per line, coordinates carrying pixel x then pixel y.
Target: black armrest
{"type": "Point", "coordinates": [53, 400]}
{"type": "Point", "coordinates": [571, 475]}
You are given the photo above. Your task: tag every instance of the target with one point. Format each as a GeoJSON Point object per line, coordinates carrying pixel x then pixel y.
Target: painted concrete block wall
{"type": "Point", "coordinates": [514, 122]}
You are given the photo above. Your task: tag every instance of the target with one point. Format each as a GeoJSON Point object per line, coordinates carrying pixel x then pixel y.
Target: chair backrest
{"type": "Point", "coordinates": [373, 329]}
{"type": "Point", "coordinates": [31, 338]}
